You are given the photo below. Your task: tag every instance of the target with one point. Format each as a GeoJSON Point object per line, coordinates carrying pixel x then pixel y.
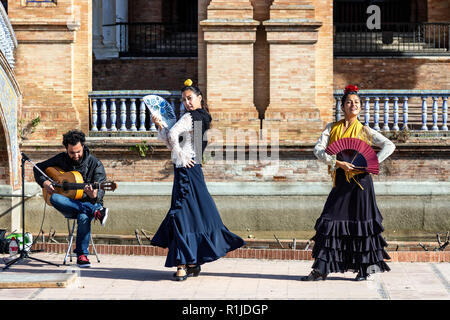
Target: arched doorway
{"type": "Point", "coordinates": [10, 106]}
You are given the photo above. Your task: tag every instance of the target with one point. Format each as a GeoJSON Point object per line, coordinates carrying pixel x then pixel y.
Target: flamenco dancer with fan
{"type": "Point", "coordinates": [192, 229]}
{"type": "Point", "coordinates": [348, 232]}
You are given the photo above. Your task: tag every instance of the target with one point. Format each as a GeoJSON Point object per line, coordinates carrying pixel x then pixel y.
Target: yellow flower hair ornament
{"type": "Point", "coordinates": [188, 83]}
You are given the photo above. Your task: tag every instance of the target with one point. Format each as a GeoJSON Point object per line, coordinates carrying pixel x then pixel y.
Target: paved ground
{"type": "Point", "coordinates": [146, 278]}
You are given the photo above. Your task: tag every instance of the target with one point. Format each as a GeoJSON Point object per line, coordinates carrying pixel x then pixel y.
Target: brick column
{"type": "Point", "coordinates": [292, 34]}
{"type": "Point", "coordinates": [229, 33]}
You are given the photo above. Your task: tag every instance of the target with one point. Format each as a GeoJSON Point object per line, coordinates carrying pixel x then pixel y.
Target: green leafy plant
{"type": "Point", "coordinates": [401, 136]}
{"type": "Point", "coordinates": [29, 128]}
{"type": "Point", "coordinates": [142, 148]}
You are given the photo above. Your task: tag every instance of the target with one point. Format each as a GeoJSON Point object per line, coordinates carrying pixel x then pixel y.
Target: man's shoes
{"type": "Point", "coordinates": [101, 215]}
{"type": "Point", "coordinates": [83, 261]}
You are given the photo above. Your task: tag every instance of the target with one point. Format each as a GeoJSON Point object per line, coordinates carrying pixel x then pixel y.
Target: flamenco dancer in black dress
{"type": "Point", "coordinates": [192, 229]}
{"type": "Point", "coordinates": [348, 232]}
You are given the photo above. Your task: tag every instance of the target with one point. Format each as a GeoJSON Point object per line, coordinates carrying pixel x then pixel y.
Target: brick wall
{"type": "Point", "coordinates": [438, 11]}
{"type": "Point", "coordinates": [56, 88]}
{"type": "Point", "coordinates": [392, 73]}
{"type": "Point", "coordinates": [324, 59]}
{"type": "Point", "coordinates": [143, 74]}
{"type": "Point", "coordinates": [408, 163]}
{"type": "Point", "coordinates": [300, 64]}
{"type": "Point", "coordinates": [227, 53]}
{"type": "Point", "coordinates": [145, 11]}
{"type": "Point", "coordinates": [202, 64]}
{"type": "Point", "coordinates": [54, 66]}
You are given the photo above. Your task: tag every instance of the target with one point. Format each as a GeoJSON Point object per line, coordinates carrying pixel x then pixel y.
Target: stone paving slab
{"type": "Point", "coordinates": [32, 280]}
{"type": "Point", "coordinates": [146, 278]}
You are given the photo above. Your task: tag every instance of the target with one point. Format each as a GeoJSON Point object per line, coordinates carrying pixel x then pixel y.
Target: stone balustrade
{"type": "Point", "coordinates": [125, 110]}
{"type": "Point", "coordinates": [388, 110]}
{"type": "Point", "coordinates": [385, 110]}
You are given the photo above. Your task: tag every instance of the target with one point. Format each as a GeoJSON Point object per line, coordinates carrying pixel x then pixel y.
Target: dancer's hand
{"type": "Point", "coordinates": [190, 163]}
{"type": "Point", "coordinates": [346, 166]}
{"type": "Point", "coordinates": [156, 121]}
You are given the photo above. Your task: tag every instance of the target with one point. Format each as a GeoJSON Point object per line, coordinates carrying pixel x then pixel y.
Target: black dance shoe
{"type": "Point", "coordinates": [360, 277]}
{"type": "Point", "coordinates": [183, 277]}
{"type": "Point", "coordinates": [193, 271]}
{"type": "Point", "coordinates": [314, 276]}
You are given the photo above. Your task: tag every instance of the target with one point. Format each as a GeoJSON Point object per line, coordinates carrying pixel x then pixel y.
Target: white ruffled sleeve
{"type": "Point", "coordinates": [386, 145]}
{"type": "Point", "coordinates": [182, 126]}
{"type": "Point", "coordinates": [321, 145]}
{"type": "Point", "coordinates": [163, 136]}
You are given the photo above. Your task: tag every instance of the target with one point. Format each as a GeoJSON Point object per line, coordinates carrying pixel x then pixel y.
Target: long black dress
{"type": "Point", "coordinates": [348, 232]}
{"type": "Point", "coordinates": [192, 229]}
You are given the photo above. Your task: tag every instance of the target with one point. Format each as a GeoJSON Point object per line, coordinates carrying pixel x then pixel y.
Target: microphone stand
{"type": "Point", "coordinates": [23, 253]}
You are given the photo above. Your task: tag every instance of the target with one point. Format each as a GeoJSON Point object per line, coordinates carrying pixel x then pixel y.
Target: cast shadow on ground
{"type": "Point", "coordinates": [97, 271]}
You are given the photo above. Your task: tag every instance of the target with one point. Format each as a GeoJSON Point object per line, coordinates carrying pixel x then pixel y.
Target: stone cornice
{"type": "Point", "coordinates": [231, 10]}
{"type": "Point", "coordinates": [229, 6]}
{"type": "Point", "coordinates": [292, 31]}
{"type": "Point", "coordinates": [229, 23]}
{"type": "Point", "coordinates": [112, 145]}
{"type": "Point", "coordinates": [276, 6]}
{"type": "Point", "coordinates": [229, 30]}
{"type": "Point", "coordinates": [293, 25]}
{"type": "Point", "coordinates": [49, 31]}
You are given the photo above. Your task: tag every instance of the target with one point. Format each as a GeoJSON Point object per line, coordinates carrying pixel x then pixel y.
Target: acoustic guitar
{"type": "Point", "coordinates": [71, 184]}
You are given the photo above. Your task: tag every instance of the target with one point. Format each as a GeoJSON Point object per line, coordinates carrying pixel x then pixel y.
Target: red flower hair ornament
{"type": "Point", "coordinates": [350, 88]}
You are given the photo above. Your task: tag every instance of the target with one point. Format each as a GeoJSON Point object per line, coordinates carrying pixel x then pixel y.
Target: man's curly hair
{"type": "Point", "coordinates": [73, 137]}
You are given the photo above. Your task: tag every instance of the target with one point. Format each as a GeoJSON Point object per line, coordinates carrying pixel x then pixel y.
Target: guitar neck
{"type": "Point", "coordinates": [76, 186]}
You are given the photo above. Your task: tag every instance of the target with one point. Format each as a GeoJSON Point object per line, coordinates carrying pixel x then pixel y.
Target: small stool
{"type": "Point", "coordinates": [71, 233]}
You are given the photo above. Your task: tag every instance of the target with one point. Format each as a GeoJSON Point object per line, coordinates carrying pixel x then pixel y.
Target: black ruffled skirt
{"type": "Point", "coordinates": [192, 229]}
{"type": "Point", "coordinates": [348, 232]}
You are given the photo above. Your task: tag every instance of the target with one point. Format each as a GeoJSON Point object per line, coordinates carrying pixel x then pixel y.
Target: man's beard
{"type": "Point", "coordinates": [76, 162]}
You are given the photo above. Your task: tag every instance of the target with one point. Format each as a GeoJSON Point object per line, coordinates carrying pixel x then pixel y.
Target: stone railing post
{"type": "Point", "coordinates": [103, 115]}
{"type": "Point", "coordinates": [113, 115]}
{"type": "Point", "coordinates": [338, 109]}
{"type": "Point", "coordinates": [376, 114]}
{"type": "Point", "coordinates": [123, 115]}
{"type": "Point", "coordinates": [94, 115]}
{"type": "Point", "coordinates": [444, 114]}
{"type": "Point", "coordinates": [435, 114]}
{"type": "Point", "coordinates": [395, 127]}
{"type": "Point", "coordinates": [366, 111]}
{"type": "Point", "coordinates": [405, 113]}
{"type": "Point", "coordinates": [386, 114]}
{"type": "Point", "coordinates": [424, 113]}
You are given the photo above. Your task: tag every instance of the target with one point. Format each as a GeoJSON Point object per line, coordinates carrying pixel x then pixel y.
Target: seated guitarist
{"type": "Point", "coordinates": [77, 158]}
